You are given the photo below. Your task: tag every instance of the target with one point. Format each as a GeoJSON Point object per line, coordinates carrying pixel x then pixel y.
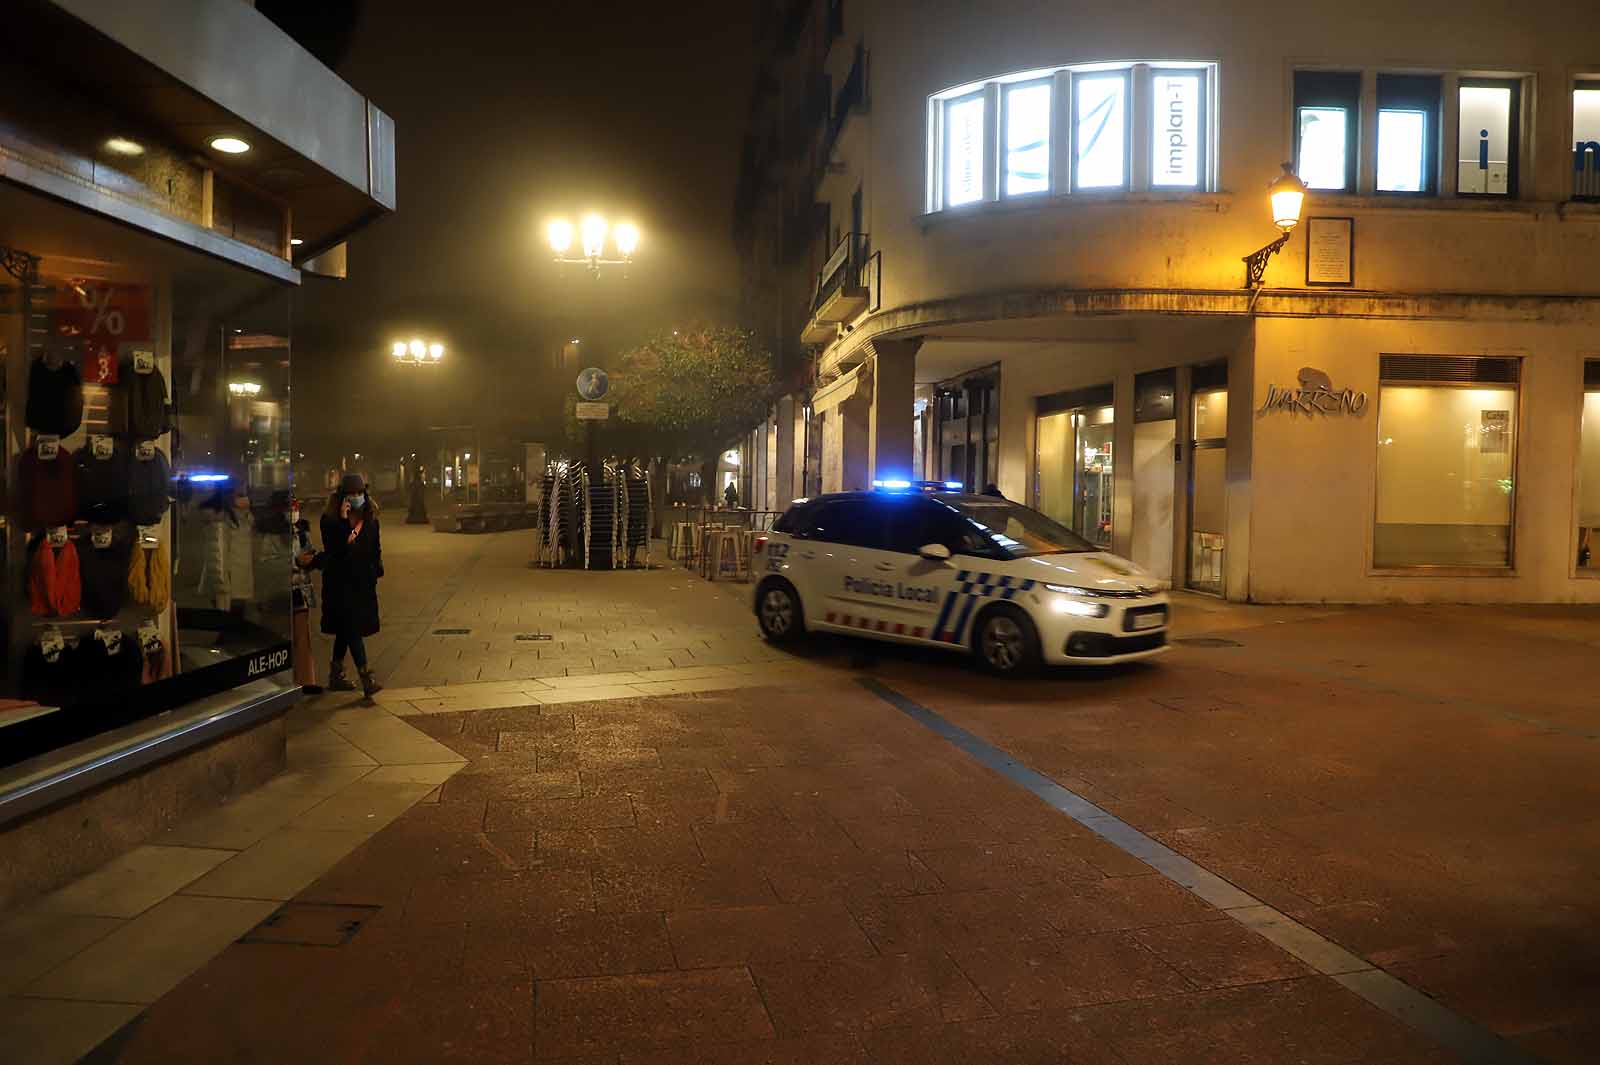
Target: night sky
{"type": "Point", "coordinates": [508, 114]}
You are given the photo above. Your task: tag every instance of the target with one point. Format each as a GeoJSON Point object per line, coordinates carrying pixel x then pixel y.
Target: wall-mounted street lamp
{"type": "Point", "coordinates": [591, 233]}
{"type": "Point", "coordinates": [417, 352]}
{"type": "Point", "coordinates": [1288, 196]}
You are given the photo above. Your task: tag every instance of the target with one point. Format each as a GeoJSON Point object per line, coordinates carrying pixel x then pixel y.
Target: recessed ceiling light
{"type": "Point", "coordinates": [296, 241]}
{"type": "Point", "coordinates": [123, 146]}
{"type": "Point", "coordinates": [231, 145]}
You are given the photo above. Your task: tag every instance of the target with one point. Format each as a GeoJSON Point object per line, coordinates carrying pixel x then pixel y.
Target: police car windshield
{"type": "Point", "coordinates": [1019, 531]}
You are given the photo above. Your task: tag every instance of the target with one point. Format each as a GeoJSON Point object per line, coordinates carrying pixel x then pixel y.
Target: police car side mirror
{"type": "Point", "coordinates": [934, 552]}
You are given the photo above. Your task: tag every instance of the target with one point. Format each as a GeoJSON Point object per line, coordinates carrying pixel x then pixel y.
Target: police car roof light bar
{"type": "Point", "coordinates": [920, 486]}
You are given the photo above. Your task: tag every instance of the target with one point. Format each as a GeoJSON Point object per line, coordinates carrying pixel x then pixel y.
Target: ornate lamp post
{"type": "Point", "coordinates": [592, 232]}
{"type": "Point", "coordinates": [417, 354]}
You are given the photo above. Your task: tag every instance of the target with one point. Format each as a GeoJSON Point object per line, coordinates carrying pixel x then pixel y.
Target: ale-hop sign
{"type": "Point", "coordinates": [1316, 395]}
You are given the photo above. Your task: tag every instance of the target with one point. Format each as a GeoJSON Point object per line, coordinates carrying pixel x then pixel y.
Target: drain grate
{"type": "Point", "coordinates": [1209, 641]}
{"type": "Point", "coordinates": [530, 636]}
{"type": "Point", "coordinates": [451, 632]}
{"type": "Point", "coordinates": [311, 924]}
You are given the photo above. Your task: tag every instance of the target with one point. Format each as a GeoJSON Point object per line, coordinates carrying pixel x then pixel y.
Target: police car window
{"type": "Point", "coordinates": [918, 522]}
{"type": "Point", "coordinates": [848, 521]}
{"type": "Point", "coordinates": [1018, 531]}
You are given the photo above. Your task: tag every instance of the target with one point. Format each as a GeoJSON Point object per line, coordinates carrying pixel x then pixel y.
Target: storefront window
{"type": "Point", "coordinates": [1208, 477]}
{"type": "Point", "coordinates": [1589, 472]}
{"type": "Point", "coordinates": [1446, 461]}
{"type": "Point", "coordinates": [1073, 463]}
{"type": "Point", "coordinates": [148, 526]}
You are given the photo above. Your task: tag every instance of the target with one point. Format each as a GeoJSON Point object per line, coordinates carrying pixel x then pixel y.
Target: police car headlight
{"type": "Point", "coordinates": [1067, 589]}
{"type": "Point", "coordinates": [1078, 609]}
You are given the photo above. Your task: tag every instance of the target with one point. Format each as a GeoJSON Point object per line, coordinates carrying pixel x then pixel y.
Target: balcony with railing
{"type": "Point", "coordinates": [840, 295]}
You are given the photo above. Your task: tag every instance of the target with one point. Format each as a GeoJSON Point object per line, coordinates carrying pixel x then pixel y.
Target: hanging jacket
{"type": "Point", "coordinates": [54, 585]}
{"type": "Point", "coordinates": [47, 489]}
{"type": "Point", "coordinates": [105, 577]}
{"type": "Point", "coordinates": [148, 488]}
{"type": "Point", "coordinates": [103, 485]}
{"type": "Point", "coordinates": [55, 399]}
{"type": "Point", "coordinates": [145, 405]}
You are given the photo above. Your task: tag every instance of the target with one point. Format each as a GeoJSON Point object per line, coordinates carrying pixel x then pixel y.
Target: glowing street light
{"type": "Point", "coordinates": [592, 232]}
{"type": "Point", "coordinates": [1287, 194]}
{"type": "Point", "coordinates": [561, 236]}
{"type": "Point", "coordinates": [594, 236]}
{"type": "Point", "coordinates": [417, 352]}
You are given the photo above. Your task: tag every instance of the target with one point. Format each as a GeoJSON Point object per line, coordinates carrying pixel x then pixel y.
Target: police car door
{"type": "Point", "coordinates": [849, 565]}
{"type": "Point", "coordinates": [922, 586]}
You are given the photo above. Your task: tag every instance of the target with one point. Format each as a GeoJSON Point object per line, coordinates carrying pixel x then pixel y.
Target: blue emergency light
{"type": "Point", "coordinates": [916, 486]}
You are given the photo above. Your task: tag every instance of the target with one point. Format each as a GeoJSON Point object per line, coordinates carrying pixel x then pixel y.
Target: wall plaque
{"type": "Point", "coordinates": [1330, 251]}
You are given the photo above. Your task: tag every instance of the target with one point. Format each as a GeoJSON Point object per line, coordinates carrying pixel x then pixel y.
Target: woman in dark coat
{"type": "Point", "coordinates": [352, 562]}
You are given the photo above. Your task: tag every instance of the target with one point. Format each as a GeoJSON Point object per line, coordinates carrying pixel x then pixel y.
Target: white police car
{"type": "Point", "coordinates": [921, 562]}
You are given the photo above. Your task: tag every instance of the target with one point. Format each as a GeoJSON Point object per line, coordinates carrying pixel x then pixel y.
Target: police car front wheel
{"type": "Point", "coordinates": [778, 611]}
{"type": "Point", "coordinates": [1006, 642]}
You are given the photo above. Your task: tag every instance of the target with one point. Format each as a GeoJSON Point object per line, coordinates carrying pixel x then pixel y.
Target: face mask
{"type": "Point", "coordinates": [356, 502]}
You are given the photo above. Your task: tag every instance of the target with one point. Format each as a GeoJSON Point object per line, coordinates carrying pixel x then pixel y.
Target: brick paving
{"type": "Point", "coordinates": [799, 873]}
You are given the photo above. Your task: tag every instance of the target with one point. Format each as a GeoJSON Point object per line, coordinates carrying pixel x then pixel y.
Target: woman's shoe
{"type": "Point", "coordinates": [369, 684]}
{"type": "Point", "coordinates": [337, 681]}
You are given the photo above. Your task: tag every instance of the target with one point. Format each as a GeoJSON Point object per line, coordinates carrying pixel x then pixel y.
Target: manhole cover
{"type": "Point", "coordinates": [451, 632]}
{"type": "Point", "coordinates": [534, 636]}
{"type": "Point", "coordinates": [311, 924]}
{"type": "Point", "coordinates": [1208, 641]}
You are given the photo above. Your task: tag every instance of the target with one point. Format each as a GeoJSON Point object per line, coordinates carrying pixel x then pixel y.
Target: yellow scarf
{"type": "Point", "coordinates": [150, 577]}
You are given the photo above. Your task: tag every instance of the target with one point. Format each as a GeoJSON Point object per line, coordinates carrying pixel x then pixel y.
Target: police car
{"type": "Point", "coordinates": [922, 562]}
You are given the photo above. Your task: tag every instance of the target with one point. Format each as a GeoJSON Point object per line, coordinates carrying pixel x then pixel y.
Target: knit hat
{"type": "Point", "coordinates": [104, 572]}
{"type": "Point", "coordinates": [52, 679]}
{"type": "Point", "coordinates": [112, 660]}
{"type": "Point", "coordinates": [146, 405]}
{"type": "Point", "coordinates": [148, 488]}
{"type": "Point", "coordinates": [55, 399]}
{"type": "Point", "coordinates": [47, 489]}
{"type": "Point", "coordinates": [103, 484]}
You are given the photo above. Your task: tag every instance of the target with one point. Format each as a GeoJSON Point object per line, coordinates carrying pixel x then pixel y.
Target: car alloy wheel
{"type": "Point", "coordinates": [1004, 644]}
{"type": "Point", "coordinates": [777, 612]}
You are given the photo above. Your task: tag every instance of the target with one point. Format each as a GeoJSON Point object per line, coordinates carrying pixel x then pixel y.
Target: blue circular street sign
{"type": "Point", "coordinates": [593, 384]}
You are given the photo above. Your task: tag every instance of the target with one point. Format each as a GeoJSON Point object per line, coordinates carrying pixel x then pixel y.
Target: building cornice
{"type": "Point", "coordinates": [927, 318]}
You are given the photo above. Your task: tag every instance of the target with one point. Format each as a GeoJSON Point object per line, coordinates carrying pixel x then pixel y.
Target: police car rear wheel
{"type": "Point", "coordinates": [1006, 642]}
{"type": "Point", "coordinates": [779, 613]}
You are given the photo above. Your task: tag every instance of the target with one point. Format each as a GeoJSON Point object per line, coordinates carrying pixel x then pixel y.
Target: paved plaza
{"type": "Point", "coordinates": [595, 819]}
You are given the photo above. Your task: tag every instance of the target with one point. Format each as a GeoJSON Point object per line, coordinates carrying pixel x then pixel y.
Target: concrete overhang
{"type": "Point", "coordinates": [819, 332]}
{"type": "Point", "coordinates": [843, 304]}
{"type": "Point", "coordinates": [190, 70]}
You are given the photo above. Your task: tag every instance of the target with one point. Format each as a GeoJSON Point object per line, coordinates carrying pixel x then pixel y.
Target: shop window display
{"type": "Point", "coordinates": [1589, 473]}
{"type": "Point", "coordinates": [1446, 462]}
{"type": "Point", "coordinates": [146, 533]}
